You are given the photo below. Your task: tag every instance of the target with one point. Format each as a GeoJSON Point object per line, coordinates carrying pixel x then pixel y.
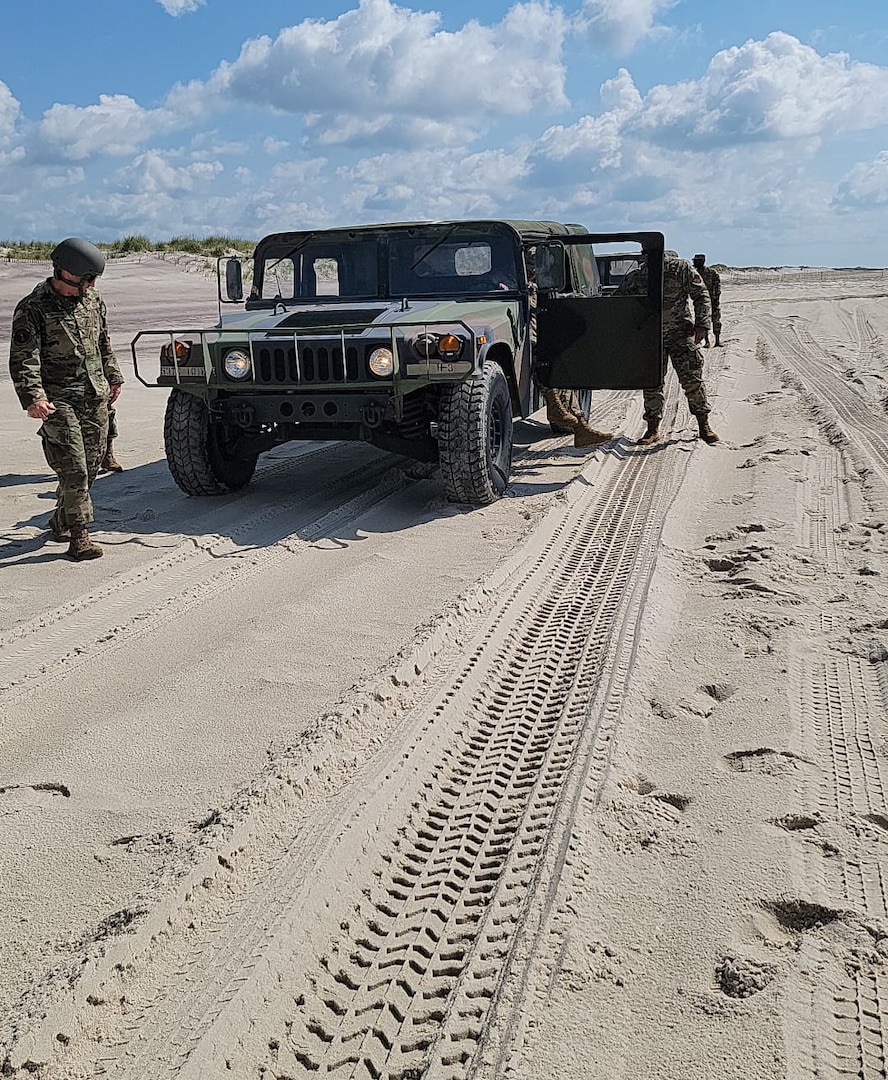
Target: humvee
{"type": "Point", "coordinates": [414, 337]}
{"type": "Point", "coordinates": [613, 267]}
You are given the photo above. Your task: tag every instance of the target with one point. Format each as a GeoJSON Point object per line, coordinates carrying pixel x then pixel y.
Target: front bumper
{"type": "Point", "coordinates": [319, 408]}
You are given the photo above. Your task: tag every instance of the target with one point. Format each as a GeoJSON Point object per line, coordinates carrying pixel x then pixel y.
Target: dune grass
{"type": "Point", "coordinates": [210, 246]}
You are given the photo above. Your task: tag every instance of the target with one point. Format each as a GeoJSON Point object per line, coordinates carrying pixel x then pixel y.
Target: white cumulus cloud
{"type": "Point", "coordinates": [9, 111]}
{"type": "Point", "coordinates": [566, 153]}
{"type": "Point", "coordinates": [774, 89]}
{"type": "Point", "coordinates": [180, 7]}
{"type": "Point", "coordinates": [379, 62]}
{"type": "Point", "coordinates": [865, 185]}
{"type": "Point", "coordinates": [116, 126]}
{"type": "Point", "coordinates": [156, 173]}
{"type": "Point", "coordinates": [621, 24]}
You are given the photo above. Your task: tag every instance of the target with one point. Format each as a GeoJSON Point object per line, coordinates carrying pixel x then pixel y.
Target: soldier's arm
{"type": "Point", "coordinates": [24, 356]}
{"type": "Point", "coordinates": [699, 295]}
{"type": "Point", "coordinates": [633, 284]}
{"type": "Point", "coordinates": [109, 361]}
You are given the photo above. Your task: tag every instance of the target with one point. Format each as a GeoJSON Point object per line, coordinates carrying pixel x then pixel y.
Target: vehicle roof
{"type": "Point", "coordinates": [527, 230]}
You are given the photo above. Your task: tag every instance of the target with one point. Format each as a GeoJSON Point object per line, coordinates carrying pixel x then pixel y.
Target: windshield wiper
{"type": "Point", "coordinates": [435, 246]}
{"type": "Point", "coordinates": [289, 255]}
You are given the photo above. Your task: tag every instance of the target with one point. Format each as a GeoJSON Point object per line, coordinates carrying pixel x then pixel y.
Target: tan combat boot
{"type": "Point", "coordinates": [109, 461]}
{"type": "Point", "coordinates": [81, 546]}
{"type": "Point", "coordinates": [588, 436]}
{"type": "Point", "coordinates": [60, 533]}
{"type": "Point", "coordinates": [652, 434]}
{"type": "Point", "coordinates": [706, 432]}
{"type": "Point", "coordinates": [561, 419]}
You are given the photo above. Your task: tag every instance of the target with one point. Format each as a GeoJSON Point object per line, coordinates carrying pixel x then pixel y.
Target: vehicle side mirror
{"type": "Point", "coordinates": [234, 279]}
{"type": "Point", "coordinates": [549, 266]}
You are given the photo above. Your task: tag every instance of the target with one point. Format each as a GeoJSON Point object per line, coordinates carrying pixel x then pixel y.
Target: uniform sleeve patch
{"type": "Point", "coordinates": [22, 335]}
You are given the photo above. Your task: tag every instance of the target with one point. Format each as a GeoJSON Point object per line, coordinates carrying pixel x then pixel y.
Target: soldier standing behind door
{"type": "Point", "coordinates": [682, 334]}
{"type": "Point", "coordinates": [713, 282]}
{"type": "Point", "coordinates": [562, 407]}
{"type": "Point", "coordinates": [65, 374]}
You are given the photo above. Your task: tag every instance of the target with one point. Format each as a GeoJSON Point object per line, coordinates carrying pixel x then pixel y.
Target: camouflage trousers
{"type": "Point", "coordinates": [716, 321]}
{"type": "Point", "coordinates": [112, 423]}
{"type": "Point", "coordinates": [569, 399]}
{"type": "Point", "coordinates": [74, 440]}
{"type": "Point", "coordinates": [687, 359]}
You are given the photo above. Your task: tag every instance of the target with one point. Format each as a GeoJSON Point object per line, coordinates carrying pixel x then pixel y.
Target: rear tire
{"type": "Point", "coordinates": [475, 437]}
{"type": "Point", "coordinates": [202, 455]}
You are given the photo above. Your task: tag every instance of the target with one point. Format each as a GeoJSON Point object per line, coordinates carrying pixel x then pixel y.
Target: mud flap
{"type": "Point", "coordinates": [606, 342]}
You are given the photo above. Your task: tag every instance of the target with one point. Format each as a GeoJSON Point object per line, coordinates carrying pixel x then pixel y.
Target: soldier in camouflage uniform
{"type": "Point", "coordinates": [563, 410]}
{"type": "Point", "coordinates": [713, 282]}
{"type": "Point", "coordinates": [682, 335]}
{"type": "Point", "coordinates": [65, 374]}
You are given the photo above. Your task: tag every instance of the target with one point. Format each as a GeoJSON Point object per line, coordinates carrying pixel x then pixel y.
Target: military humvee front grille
{"type": "Point", "coordinates": [321, 364]}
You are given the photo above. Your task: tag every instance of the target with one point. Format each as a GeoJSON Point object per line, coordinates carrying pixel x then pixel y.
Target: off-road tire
{"type": "Point", "coordinates": [196, 449]}
{"type": "Point", "coordinates": [475, 437]}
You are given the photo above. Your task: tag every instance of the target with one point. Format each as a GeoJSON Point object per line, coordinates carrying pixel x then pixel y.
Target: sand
{"type": "Point", "coordinates": [333, 777]}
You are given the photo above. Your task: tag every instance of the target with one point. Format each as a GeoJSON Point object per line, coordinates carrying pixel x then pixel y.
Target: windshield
{"type": "Point", "coordinates": [451, 263]}
{"type": "Point", "coordinates": [414, 261]}
{"type": "Point", "coordinates": [318, 269]}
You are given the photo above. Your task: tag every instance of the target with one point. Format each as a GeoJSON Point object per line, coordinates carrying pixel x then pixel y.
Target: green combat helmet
{"type": "Point", "coordinates": [78, 257]}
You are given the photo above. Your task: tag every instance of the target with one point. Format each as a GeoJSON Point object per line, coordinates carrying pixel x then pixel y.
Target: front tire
{"type": "Point", "coordinates": [201, 455]}
{"type": "Point", "coordinates": [475, 437]}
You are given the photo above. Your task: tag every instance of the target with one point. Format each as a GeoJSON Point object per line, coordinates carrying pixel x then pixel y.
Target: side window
{"type": "Point", "coordinates": [326, 275]}
{"type": "Point", "coordinates": [472, 261]}
{"type": "Point", "coordinates": [452, 260]}
{"type": "Point", "coordinates": [585, 270]}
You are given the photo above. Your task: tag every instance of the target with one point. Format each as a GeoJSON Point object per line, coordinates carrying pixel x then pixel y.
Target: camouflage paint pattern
{"type": "Point", "coordinates": [683, 292]}
{"type": "Point", "coordinates": [61, 352]}
{"type": "Point", "coordinates": [61, 347]}
{"type": "Point", "coordinates": [75, 437]}
{"type": "Point", "coordinates": [569, 400]}
{"type": "Point", "coordinates": [712, 281]}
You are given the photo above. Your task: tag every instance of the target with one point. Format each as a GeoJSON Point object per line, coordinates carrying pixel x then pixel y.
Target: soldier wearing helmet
{"type": "Point", "coordinates": [65, 374]}
{"type": "Point", "coordinates": [686, 321]}
{"type": "Point", "coordinates": [713, 282]}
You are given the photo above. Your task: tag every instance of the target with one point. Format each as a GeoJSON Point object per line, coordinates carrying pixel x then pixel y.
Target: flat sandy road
{"type": "Point", "coordinates": [334, 778]}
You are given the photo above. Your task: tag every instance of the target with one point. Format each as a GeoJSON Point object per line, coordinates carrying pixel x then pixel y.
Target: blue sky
{"type": "Point", "coordinates": [756, 132]}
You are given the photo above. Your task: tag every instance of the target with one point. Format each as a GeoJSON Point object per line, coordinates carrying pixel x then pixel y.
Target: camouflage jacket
{"type": "Point", "coordinates": [713, 282]}
{"type": "Point", "coordinates": [681, 283]}
{"type": "Point", "coordinates": [60, 347]}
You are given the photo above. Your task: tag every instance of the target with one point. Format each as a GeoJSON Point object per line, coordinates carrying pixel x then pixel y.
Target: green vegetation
{"type": "Point", "coordinates": [210, 246]}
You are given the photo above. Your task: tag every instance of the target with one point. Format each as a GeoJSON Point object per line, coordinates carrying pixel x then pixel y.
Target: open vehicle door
{"type": "Point", "coordinates": [605, 342]}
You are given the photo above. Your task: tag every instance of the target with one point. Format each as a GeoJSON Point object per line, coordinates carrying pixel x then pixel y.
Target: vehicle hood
{"type": "Point", "coordinates": [304, 317]}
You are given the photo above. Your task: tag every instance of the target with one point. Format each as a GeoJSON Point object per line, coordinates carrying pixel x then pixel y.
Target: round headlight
{"type": "Point", "coordinates": [449, 346]}
{"type": "Point", "coordinates": [426, 346]}
{"type": "Point", "coordinates": [237, 364]}
{"type": "Point", "coordinates": [178, 350]}
{"type": "Point", "coordinates": [381, 362]}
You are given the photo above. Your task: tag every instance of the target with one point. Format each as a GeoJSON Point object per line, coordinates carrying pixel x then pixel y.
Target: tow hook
{"type": "Point", "coordinates": [242, 414]}
{"type": "Point", "coordinates": [372, 414]}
